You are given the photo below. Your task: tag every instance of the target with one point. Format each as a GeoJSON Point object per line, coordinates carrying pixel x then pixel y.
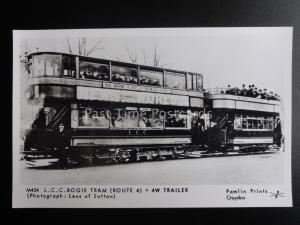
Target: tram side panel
{"type": "Point", "coordinates": [101, 133]}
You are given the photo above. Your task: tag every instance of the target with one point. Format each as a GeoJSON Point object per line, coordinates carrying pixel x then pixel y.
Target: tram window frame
{"type": "Point", "coordinates": [249, 123]}
{"type": "Point", "coordinates": [199, 82]}
{"type": "Point", "coordinates": [142, 76]}
{"type": "Point", "coordinates": [194, 82]}
{"type": "Point", "coordinates": [189, 81]}
{"type": "Point", "coordinates": [89, 71]}
{"type": "Point", "coordinates": [254, 123]}
{"type": "Point", "coordinates": [238, 126]}
{"type": "Point", "coordinates": [42, 70]}
{"type": "Point", "coordinates": [128, 68]}
{"type": "Point", "coordinates": [244, 123]}
{"type": "Point", "coordinates": [70, 66]}
{"type": "Point", "coordinates": [262, 123]}
{"type": "Point", "coordinates": [171, 74]}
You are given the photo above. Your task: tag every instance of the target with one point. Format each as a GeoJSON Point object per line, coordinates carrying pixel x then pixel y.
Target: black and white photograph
{"type": "Point", "coordinates": [160, 117]}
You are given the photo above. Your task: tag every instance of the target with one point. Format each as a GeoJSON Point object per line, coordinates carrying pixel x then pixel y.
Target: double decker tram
{"type": "Point", "coordinates": [110, 109]}
{"type": "Point", "coordinates": [90, 108]}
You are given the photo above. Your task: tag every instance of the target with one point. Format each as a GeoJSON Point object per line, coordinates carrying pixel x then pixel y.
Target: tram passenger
{"type": "Point", "coordinates": [198, 131]}
{"type": "Point", "coordinates": [83, 75]}
{"type": "Point", "coordinates": [228, 91]}
{"type": "Point", "coordinates": [63, 146]}
{"type": "Point", "coordinates": [213, 138]}
{"type": "Point", "coordinates": [117, 77]}
{"type": "Point", "coordinates": [277, 132]}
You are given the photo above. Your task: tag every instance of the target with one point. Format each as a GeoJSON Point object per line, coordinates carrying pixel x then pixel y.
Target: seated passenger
{"type": "Point", "coordinates": [117, 77]}
{"type": "Point", "coordinates": [106, 77]}
{"type": "Point", "coordinates": [228, 91]}
{"type": "Point", "coordinates": [134, 80]}
{"type": "Point", "coordinates": [89, 76]}
{"type": "Point", "coordinates": [151, 82]}
{"type": "Point", "coordinates": [127, 79]}
{"type": "Point", "coordinates": [155, 82]}
{"type": "Point", "coordinates": [100, 76]}
{"type": "Point", "coordinates": [244, 92]}
{"type": "Point", "coordinates": [95, 75]}
{"type": "Point", "coordinates": [264, 94]}
{"type": "Point", "coordinates": [250, 91]}
{"type": "Point", "coordinates": [83, 75]}
{"type": "Point", "coordinates": [143, 81]}
{"type": "Point", "coordinates": [236, 91]}
{"type": "Point", "coordinates": [277, 97]}
{"type": "Point", "coordinates": [255, 94]}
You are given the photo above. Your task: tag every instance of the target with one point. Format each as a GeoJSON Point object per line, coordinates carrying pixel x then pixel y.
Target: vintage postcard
{"type": "Point", "coordinates": [173, 117]}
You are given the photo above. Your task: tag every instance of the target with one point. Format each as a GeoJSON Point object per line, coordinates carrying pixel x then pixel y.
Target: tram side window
{"type": "Point", "coordinates": [125, 118]}
{"type": "Point", "coordinates": [189, 80]}
{"type": "Point", "coordinates": [150, 118]}
{"type": "Point", "coordinates": [68, 66]}
{"type": "Point", "coordinates": [96, 71]}
{"type": "Point", "coordinates": [249, 123]}
{"type": "Point", "coordinates": [176, 119]}
{"type": "Point", "coordinates": [194, 82]}
{"type": "Point", "coordinates": [52, 65]}
{"type": "Point", "coordinates": [89, 117]}
{"type": "Point", "coordinates": [245, 123]}
{"type": "Point", "coordinates": [154, 78]}
{"type": "Point", "coordinates": [238, 122]}
{"type": "Point", "coordinates": [175, 80]}
{"type": "Point", "coordinates": [199, 82]}
{"type": "Point", "coordinates": [256, 123]}
{"type": "Point", "coordinates": [266, 124]}
{"type": "Point", "coordinates": [124, 74]}
{"type": "Point", "coordinates": [48, 65]}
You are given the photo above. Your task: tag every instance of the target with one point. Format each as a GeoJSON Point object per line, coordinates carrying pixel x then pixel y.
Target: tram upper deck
{"type": "Point", "coordinates": [221, 100]}
{"type": "Point", "coordinates": [67, 76]}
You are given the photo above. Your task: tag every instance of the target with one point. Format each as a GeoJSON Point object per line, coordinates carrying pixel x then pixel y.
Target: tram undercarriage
{"type": "Point", "coordinates": [96, 155]}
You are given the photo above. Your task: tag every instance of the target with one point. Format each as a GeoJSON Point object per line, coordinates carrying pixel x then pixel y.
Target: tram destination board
{"type": "Point", "coordinates": [110, 118]}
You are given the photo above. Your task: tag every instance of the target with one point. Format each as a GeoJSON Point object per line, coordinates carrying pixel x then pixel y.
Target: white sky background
{"type": "Point", "coordinates": [224, 56]}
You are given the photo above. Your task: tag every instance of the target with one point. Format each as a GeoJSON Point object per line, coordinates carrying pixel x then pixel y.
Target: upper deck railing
{"type": "Point", "coordinates": [250, 93]}
{"type": "Point", "coordinates": [224, 98]}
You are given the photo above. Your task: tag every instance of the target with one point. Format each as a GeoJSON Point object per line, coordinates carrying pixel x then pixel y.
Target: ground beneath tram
{"type": "Point", "coordinates": [244, 169]}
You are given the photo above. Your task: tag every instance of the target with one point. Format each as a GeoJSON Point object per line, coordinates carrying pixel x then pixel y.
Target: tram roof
{"type": "Point", "coordinates": [114, 61]}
